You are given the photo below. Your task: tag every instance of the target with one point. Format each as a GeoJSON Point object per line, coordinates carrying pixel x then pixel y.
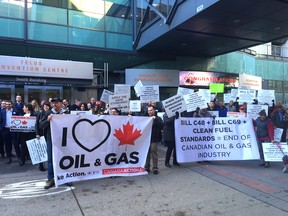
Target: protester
{"type": "Point", "coordinates": [84, 107]}
{"type": "Point", "coordinates": [278, 120]}
{"type": "Point", "coordinates": [66, 105]}
{"type": "Point", "coordinates": [35, 106]}
{"type": "Point", "coordinates": [230, 107]}
{"type": "Point", "coordinates": [43, 131]}
{"type": "Point", "coordinates": [265, 133]}
{"type": "Point", "coordinates": [169, 139]}
{"type": "Point", "coordinates": [76, 105]}
{"type": "Point", "coordinates": [57, 109]}
{"type": "Point", "coordinates": [156, 136]}
{"type": "Point", "coordinates": [24, 136]}
{"type": "Point", "coordinates": [9, 137]}
{"type": "Point", "coordinates": [18, 105]}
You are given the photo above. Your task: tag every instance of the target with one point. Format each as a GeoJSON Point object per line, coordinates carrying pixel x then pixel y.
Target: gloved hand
{"type": "Point", "coordinates": [177, 115]}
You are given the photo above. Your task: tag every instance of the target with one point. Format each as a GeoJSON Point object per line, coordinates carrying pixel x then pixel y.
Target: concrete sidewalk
{"type": "Point", "coordinates": [219, 188]}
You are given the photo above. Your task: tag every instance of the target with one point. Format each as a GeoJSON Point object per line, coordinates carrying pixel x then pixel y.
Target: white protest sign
{"type": "Point", "coordinates": [246, 96]}
{"type": "Point", "coordinates": [149, 93]}
{"type": "Point", "coordinates": [99, 146]}
{"type": "Point", "coordinates": [135, 105]}
{"type": "Point", "coordinates": [184, 91]}
{"type": "Point", "coordinates": [37, 150]}
{"type": "Point", "coordinates": [234, 94]}
{"type": "Point", "coordinates": [105, 96]}
{"type": "Point", "coordinates": [235, 114]}
{"type": "Point", "coordinates": [194, 100]}
{"type": "Point", "coordinates": [122, 89]}
{"type": "Point", "coordinates": [266, 96]}
{"type": "Point", "coordinates": [137, 88]}
{"type": "Point", "coordinates": [22, 123]}
{"type": "Point", "coordinates": [254, 109]}
{"type": "Point", "coordinates": [206, 94]}
{"type": "Point", "coordinates": [278, 134]}
{"type": "Point", "coordinates": [80, 112]}
{"type": "Point", "coordinates": [174, 104]}
{"type": "Point", "coordinates": [272, 151]}
{"type": "Point", "coordinates": [227, 98]}
{"type": "Point", "coordinates": [120, 102]}
{"type": "Point", "coordinates": [201, 139]}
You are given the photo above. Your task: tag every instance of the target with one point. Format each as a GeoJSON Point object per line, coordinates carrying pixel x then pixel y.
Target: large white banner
{"type": "Point", "coordinates": [207, 139]}
{"type": "Point", "coordinates": [92, 146]}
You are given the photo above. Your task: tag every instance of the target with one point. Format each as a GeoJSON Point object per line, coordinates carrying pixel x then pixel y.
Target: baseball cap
{"type": "Point", "coordinates": [56, 100]}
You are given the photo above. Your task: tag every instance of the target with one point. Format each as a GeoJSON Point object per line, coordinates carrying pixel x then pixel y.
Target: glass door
{"type": "Point", "coordinates": [7, 92]}
{"type": "Point", "coordinates": [40, 93]}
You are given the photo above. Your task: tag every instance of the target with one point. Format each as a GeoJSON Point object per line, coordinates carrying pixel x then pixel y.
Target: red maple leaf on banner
{"type": "Point", "coordinates": [127, 136]}
{"type": "Point", "coordinates": [24, 122]}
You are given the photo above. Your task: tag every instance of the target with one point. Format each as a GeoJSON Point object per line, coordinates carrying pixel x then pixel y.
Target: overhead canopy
{"type": "Point", "coordinates": [214, 27]}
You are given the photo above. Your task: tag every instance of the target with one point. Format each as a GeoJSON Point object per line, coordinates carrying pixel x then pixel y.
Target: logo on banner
{"type": "Point", "coordinates": [126, 137]}
{"type": "Point", "coordinates": [101, 123]}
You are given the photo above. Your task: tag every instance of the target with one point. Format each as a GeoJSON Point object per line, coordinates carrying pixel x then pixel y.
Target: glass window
{"type": "Point", "coordinates": [86, 20]}
{"type": "Point", "coordinates": [93, 6]}
{"type": "Point", "coordinates": [86, 37]}
{"type": "Point", "coordinates": [46, 32]}
{"type": "Point", "coordinates": [119, 41]}
{"type": "Point", "coordinates": [47, 14]}
{"type": "Point", "coordinates": [53, 3]}
{"type": "Point", "coordinates": [13, 9]}
{"type": "Point", "coordinates": [121, 25]}
{"type": "Point", "coordinates": [12, 28]}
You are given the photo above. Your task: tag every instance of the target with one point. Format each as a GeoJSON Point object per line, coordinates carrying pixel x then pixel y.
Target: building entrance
{"type": "Point", "coordinates": [29, 92]}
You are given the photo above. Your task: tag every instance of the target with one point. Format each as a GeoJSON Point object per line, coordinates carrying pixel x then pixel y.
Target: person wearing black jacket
{"type": "Point", "coordinates": [45, 124]}
{"type": "Point", "coordinates": [156, 137]}
{"type": "Point", "coordinates": [169, 139]}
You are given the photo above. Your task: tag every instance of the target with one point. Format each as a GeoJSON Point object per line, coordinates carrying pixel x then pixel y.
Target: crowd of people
{"type": "Point", "coordinates": [163, 130]}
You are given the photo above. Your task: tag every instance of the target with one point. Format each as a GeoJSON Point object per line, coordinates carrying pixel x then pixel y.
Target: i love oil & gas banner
{"type": "Point", "coordinates": [91, 146]}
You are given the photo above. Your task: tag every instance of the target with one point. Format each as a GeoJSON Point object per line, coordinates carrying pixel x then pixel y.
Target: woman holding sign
{"type": "Point", "coordinates": [26, 135]}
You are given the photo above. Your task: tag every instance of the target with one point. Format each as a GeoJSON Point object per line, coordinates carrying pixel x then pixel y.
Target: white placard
{"type": "Point", "coordinates": [122, 89]}
{"type": "Point", "coordinates": [37, 150]}
{"type": "Point", "coordinates": [278, 134]}
{"type": "Point", "coordinates": [208, 139]}
{"type": "Point", "coordinates": [227, 98]}
{"type": "Point", "coordinates": [272, 151]}
{"type": "Point", "coordinates": [22, 123]}
{"type": "Point", "coordinates": [206, 94]}
{"type": "Point", "coordinates": [254, 109]}
{"type": "Point", "coordinates": [149, 93]}
{"type": "Point", "coordinates": [137, 88]}
{"type": "Point", "coordinates": [105, 96]}
{"type": "Point", "coordinates": [234, 94]}
{"type": "Point", "coordinates": [99, 146]}
{"type": "Point", "coordinates": [254, 82]}
{"type": "Point", "coordinates": [246, 96]}
{"type": "Point", "coordinates": [266, 96]}
{"type": "Point", "coordinates": [184, 91]}
{"type": "Point", "coordinates": [80, 112]}
{"type": "Point", "coordinates": [135, 105]}
{"type": "Point", "coordinates": [174, 104]}
{"type": "Point", "coordinates": [120, 102]}
{"type": "Point", "coordinates": [194, 100]}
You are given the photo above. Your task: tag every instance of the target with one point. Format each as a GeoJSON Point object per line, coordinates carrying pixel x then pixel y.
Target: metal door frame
{"type": "Point", "coordinates": [43, 93]}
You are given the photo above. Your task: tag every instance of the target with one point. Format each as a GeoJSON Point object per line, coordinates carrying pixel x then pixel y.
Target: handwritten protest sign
{"type": "Point", "coordinates": [37, 150]}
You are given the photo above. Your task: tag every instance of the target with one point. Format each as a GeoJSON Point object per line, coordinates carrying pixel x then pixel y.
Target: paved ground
{"type": "Point", "coordinates": [238, 188]}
